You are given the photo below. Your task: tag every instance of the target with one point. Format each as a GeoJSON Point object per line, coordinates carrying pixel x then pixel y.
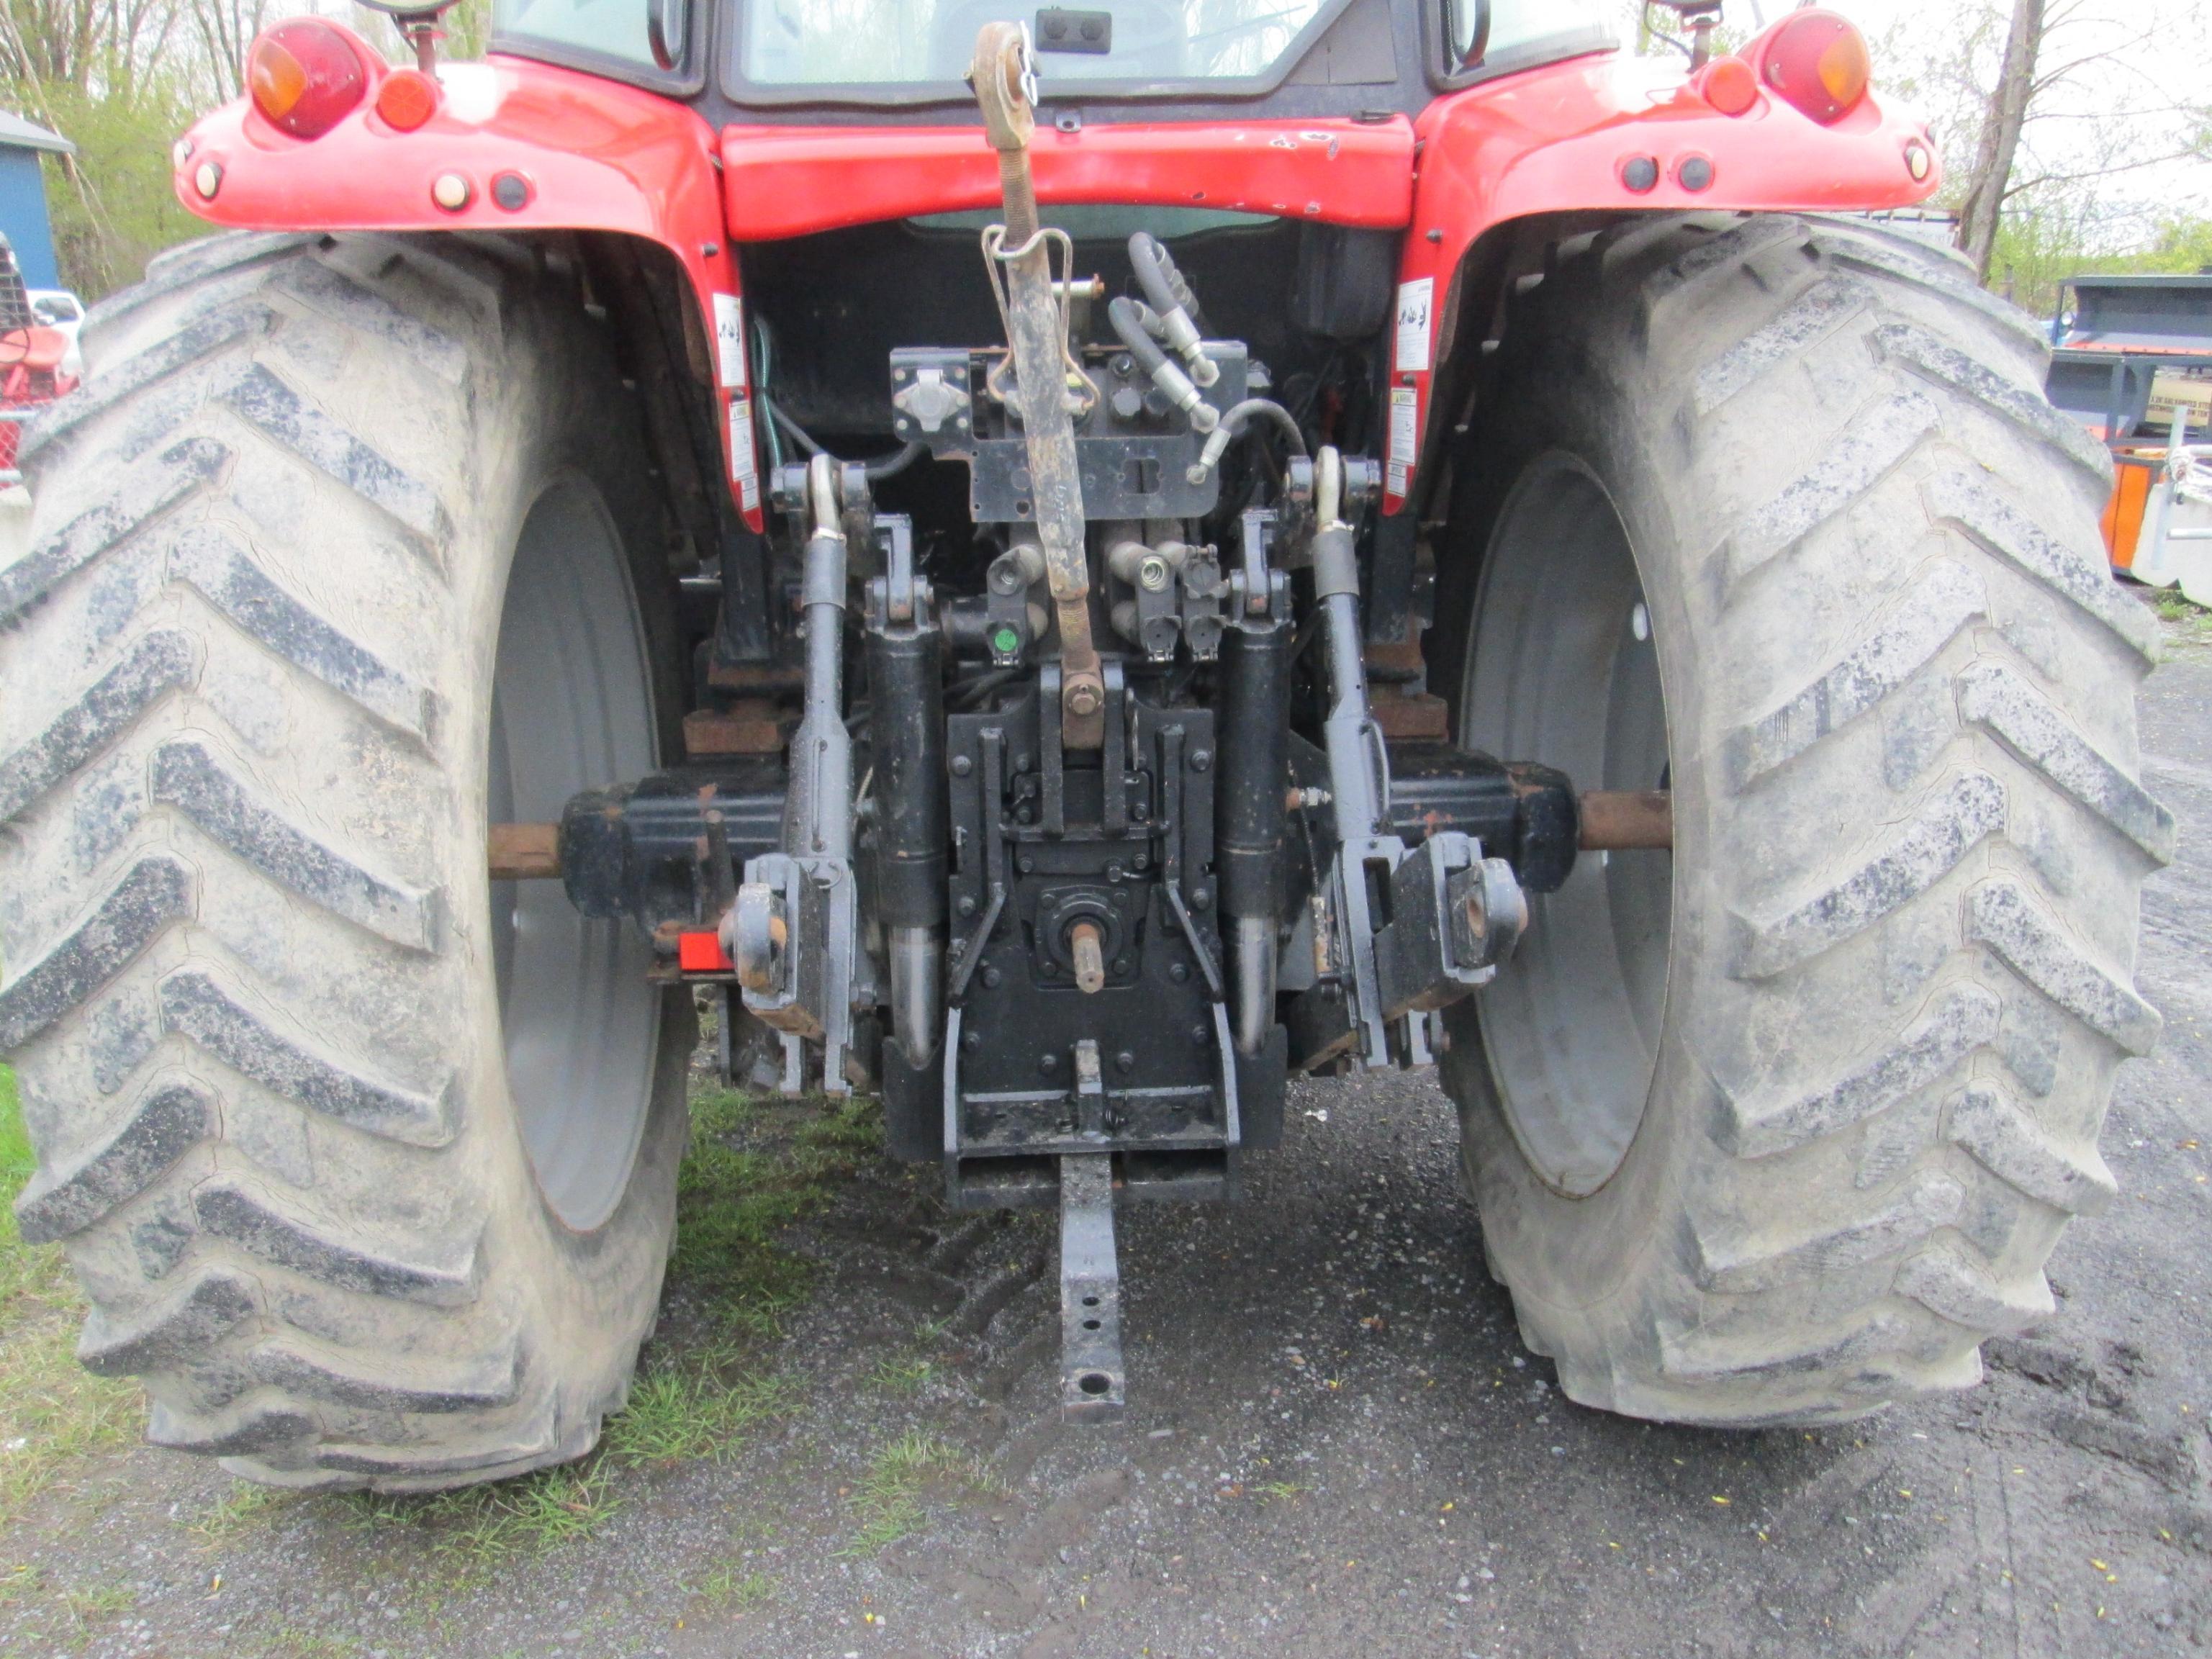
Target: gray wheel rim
{"type": "Point", "coordinates": [1558, 674]}
{"type": "Point", "coordinates": [572, 709]}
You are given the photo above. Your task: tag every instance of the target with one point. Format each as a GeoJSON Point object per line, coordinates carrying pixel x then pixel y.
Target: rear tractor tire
{"type": "Point", "coordinates": [367, 1166]}
{"type": "Point", "coordinates": [1779, 1127]}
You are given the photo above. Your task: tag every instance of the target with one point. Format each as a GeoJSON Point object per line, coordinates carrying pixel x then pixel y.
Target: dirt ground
{"type": "Point", "coordinates": [1336, 1445]}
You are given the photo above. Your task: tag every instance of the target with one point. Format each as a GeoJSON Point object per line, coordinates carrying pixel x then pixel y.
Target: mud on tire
{"type": "Point", "coordinates": [1899, 692]}
{"type": "Point", "coordinates": [255, 973]}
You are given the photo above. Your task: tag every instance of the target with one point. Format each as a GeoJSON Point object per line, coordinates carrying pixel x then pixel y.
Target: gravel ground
{"type": "Point", "coordinates": [1336, 1443]}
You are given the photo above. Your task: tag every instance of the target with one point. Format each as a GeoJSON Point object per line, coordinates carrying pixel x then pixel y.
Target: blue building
{"type": "Point", "coordinates": [23, 197]}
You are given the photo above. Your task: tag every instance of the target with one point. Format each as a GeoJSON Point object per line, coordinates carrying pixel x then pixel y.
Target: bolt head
{"type": "Point", "coordinates": [991, 978]}
{"type": "Point", "coordinates": [1125, 1061]}
{"type": "Point", "coordinates": [1048, 1062]}
{"type": "Point", "coordinates": [966, 904]}
{"type": "Point", "coordinates": [1178, 972]}
{"type": "Point", "coordinates": [1200, 759]}
{"type": "Point", "coordinates": [1082, 699]}
{"type": "Point", "coordinates": [962, 766]}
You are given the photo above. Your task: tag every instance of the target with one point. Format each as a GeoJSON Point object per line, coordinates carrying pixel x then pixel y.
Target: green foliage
{"type": "Point", "coordinates": [748, 1175]}
{"type": "Point", "coordinates": [59, 1412]}
{"type": "Point", "coordinates": [730, 1585]}
{"type": "Point", "coordinates": [888, 1501]}
{"type": "Point", "coordinates": [112, 205]}
{"type": "Point", "coordinates": [2187, 623]}
{"type": "Point", "coordinates": [2042, 242]}
{"type": "Point", "coordinates": [677, 1415]}
{"type": "Point", "coordinates": [479, 1527]}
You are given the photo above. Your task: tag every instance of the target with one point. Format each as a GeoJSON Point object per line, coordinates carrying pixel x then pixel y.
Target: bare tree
{"type": "Point", "coordinates": [1999, 147]}
{"type": "Point", "coordinates": [224, 28]}
{"type": "Point", "coordinates": [94, 45]}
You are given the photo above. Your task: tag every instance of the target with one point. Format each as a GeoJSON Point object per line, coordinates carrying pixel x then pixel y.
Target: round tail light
{"type": "Point", "coordinates": [1729, 86]}
{"type": "Point", "coordinates": [407, 98]}
{"type": "Point", "coordinates": [1817, 62]}
{"type": "Point", "coordinates": [305, 77]}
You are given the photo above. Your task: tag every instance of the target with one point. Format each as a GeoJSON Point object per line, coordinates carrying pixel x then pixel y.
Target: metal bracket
{"type": "Point", "coordinates": [1092, 1382]}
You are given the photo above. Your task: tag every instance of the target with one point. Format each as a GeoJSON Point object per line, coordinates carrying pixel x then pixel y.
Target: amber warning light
{"type": "Point", "coordinates": [305, 77]}
{"type": "Point", "coordinates": [1818, 62]}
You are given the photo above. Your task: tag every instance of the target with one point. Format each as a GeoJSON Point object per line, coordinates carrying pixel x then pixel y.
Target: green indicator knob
{"type": "Point", "coordinates": [1006, 641]}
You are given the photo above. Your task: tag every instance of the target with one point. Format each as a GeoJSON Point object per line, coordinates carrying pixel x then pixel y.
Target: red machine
{"type": "Point", "coordinates": [1058, 568]}
{"type": "Point", "coordinates": [31, 357]}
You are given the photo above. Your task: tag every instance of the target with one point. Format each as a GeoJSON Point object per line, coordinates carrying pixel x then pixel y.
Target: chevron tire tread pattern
{"type": "Point", "coordinates": [1911, 748]}
{"type": "Point", "coordinates": [234, 997]}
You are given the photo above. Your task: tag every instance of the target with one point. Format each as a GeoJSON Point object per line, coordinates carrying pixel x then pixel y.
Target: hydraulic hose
{"type": "Point", "coordinates": [1129, 321]}
{"type": "Point", "coordinates": [1129, 318]}
{"type": "Point", "coordinates": [1175, 314]}
{"type": "Point", "coordinates": [1163, 284]}
{"type": "Point", "coordinates": [1233, 424]}
{"type": "Point", "coordinates": [882, 467]}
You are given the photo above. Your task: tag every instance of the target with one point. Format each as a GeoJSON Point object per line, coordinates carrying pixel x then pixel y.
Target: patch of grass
{"type": "Point", "coordinates": [1280, 1491]}
{"type": "Point", "coordinates": [748, 1175]}
{"type": "Point", "coordinates": [888, 1500]}
{"type": "Point", "coordinates": [243, 1506]}
{"type": "Point", "coordinates": [479, 1527]}
{"type": "Point", "coordinates": [677, 1415]}
{"type": "Point", "coordinates": [52, 1410]}
{"type": "Point", "coordinates": [2190, 622]}
{"type": "Point", "coordinates": [731, 1586]}
{"type": "Point", "coordinates": [900, 1376]}
{"type": "Point", "coordinates": [89, 1605]}
{"type": "Point", "coordinates": [293, 1643]}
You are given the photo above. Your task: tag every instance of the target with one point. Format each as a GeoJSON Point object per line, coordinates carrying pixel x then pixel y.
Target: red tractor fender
{"type": "Point", "coordinates": [792, 181]}
{"type": "Point", "coordinates": [590, 154]}
{"type": "Point", "coordinates": [1561, 139]}
{"type": "Point", "coordinates": [536, 147]}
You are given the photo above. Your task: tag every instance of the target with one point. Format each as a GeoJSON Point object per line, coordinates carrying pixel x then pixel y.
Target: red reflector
{"type": "Point", "coordinates": [1818, 62]}
{"type": "Point", "coordinates": [1731, 87]}
{"type": "Point", "coordinates": [702, 953]}
{"type": "Point", "coordinates": [407, 98]}
{"type": "Point", "coordinates": [305, 76]}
